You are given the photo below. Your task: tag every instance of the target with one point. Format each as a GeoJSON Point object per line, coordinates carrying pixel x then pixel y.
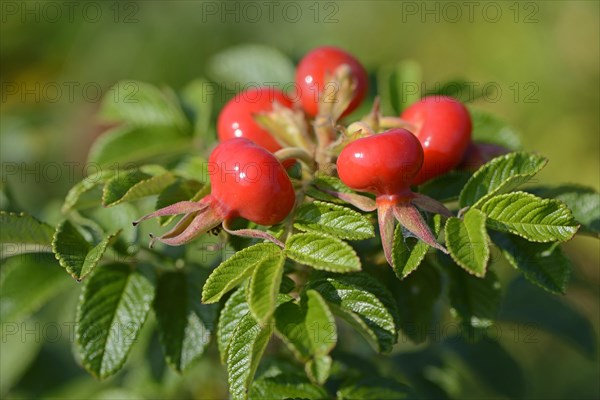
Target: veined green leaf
{"type": "Point", "coordinates": [27, 281]}
{"type": "Point", "coordinates": [133, 185]}
{"type": "Point", "coordinates": [334, 220]}
{"type": "Point", "coordinates": [583, 201]}
{"type": "Point", "coordinates": [322, 252]}
{"type": "Point", "coordinates": [364, 303]}
{"type": "Point", "coordinates": [184, 324]}
{"type": "Point", "coordinates": [264, 287]}
{"type": "Point", "coordinates": [141, 104]}
{"type": "Point", "coordinates": [24, 229]}
{"type": "Point", "coordinates": [543, 264]}
{"type": "Point", "coordinates": [125, 146]}
{"type": "Point", "coordinates": [528, 216]}
{"type": "Point", "coordinates": [74, 253]}
{"type": "Point", "coordinates": [245, 350]}
{"type": "Point", "coordinates": [468, 242]}
{"type": "Point", "coordinates": [234, 309]}
{"type": "Point", "coordinates": [488, 128]}
{"type": "Point", "coordinates": [236, 268]}
{"type": "Point", "coordinates": [308, 327]}
{"type": "Point", "coordinates": [112, 309]}
{"type": "Point", "coordinates": [286, 386]}
{"type": "Point", "coordinates": [500, 175]}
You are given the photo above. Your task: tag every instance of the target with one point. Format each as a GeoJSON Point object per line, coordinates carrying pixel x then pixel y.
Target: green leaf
{"type": "Point", "coordinates": [375, 388]}
{"type": "Point", "coordinates": [198, 99]}
{"type": "Point", "coordinates": [82, 187]}
{"type": "Point", "coordinates": [417, 296]}
{"type": "Point", "coordinates": [115, 218]}
{"type": "Point", "coordinates": [334, 220]}
{"type": "Point", "coordinates": [488, 128]}
{"type": "Point", "coordinates": [329, 183]}
{"type": "Point", "coordinates": [141, 104]}
{"type": "Point", "coordinates": [534, 309]}
{"type": "Point", "coordinates": [134, 185]}
{"type": "Point", "coordinates": [184, 323]}
{"type": "Point", "coordinates": [528, 216]}
{"type": "Point", "coordinates": [74, 253]}
{"type": "Point", "coordinates": [24, 229]}
{"type": "Point", "coordinates": [264, 287]}
{"type": "Point", "coordinates": [322, 252]}
{"type": "Point", "coordinates": [245, 350]}
{"type": "Point", "coordinates": [583, 201]}
{"type": "Point", "coordinates": [27, 281]}
{"type": "Point", "coordinates": [399, 86]}
{"type": "Point", "coordinates": [112, 309]}
{"type": "Point", "coordinates": [286, 386]}
{"type": "Point", "coordinates": [447, 187]}
{"type": "Point", "coordinates": [543, 264]}
{"type": "Point", "coordinates": [318, 369]}
{"type": "Point", "coordinates": [409, 252]}
{"type": "Point", "coordinates": [255, 64]}
{"type": "Point", "coordinates": [234, 309]}
{"type": "Point", "coordinates": [500, 175]}
{"type": "Point", "coordinates": [308, 327]}
{"type": "Point", "coordinates": [236, 268]}
{"type": "Point", "coordinates": [126, 145]}
{"type": "Point", "coordinates": [491, 363]}
{"type": "Point", "coordinates": [475, 300]}
{"type": "Point", "coordinates": [364, 303]}
{"type": "Point", "coordinates": [468, 242]}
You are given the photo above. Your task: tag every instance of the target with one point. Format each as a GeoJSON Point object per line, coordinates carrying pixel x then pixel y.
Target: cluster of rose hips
{"type": "Point", "coordinates": [262, 133]}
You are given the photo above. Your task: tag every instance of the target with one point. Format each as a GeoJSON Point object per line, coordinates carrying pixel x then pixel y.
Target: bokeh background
{"type": "Point", "coordinates": [58, 58]}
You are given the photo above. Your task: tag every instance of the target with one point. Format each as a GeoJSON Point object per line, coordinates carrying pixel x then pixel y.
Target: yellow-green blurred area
{"type": "Point", "coordinates": [58, 59]}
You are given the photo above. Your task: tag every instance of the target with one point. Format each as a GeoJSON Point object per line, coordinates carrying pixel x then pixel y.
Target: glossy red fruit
{"type": "Point", "coordinates": [249, 182]}
{"type": "Point", "coordinates": [236, 118]}
{"type": "Point", "coordinates": [246, 181]}
{"type": "Point", "coordinates": [443, 126]}
{"type": "Point", "coordinates": [312, 71]}
{"type": "Point", "coordinates": [383, 164]}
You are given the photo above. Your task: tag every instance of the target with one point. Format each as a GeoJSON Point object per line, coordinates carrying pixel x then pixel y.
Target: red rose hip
{"type": "Point", "coordinates": [246, 181]}
{"type": "Point", "coordinates": [385, 164]}
{"type": "Point", "coordinates": [314, 69]}
{"type": "Point", "coordinates": [237, 117]}
{"type": "Point", "coordinates": [443, 126]}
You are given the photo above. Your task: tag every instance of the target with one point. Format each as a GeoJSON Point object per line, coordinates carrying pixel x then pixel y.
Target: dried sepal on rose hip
{"type": "Point", "coordinates": [385, 164]}
{"type": "Point", "coordinates": [246, 181]}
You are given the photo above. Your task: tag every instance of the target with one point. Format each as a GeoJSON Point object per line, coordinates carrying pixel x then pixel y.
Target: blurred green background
{"type": "Point", "coordinates": [57, 58]}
